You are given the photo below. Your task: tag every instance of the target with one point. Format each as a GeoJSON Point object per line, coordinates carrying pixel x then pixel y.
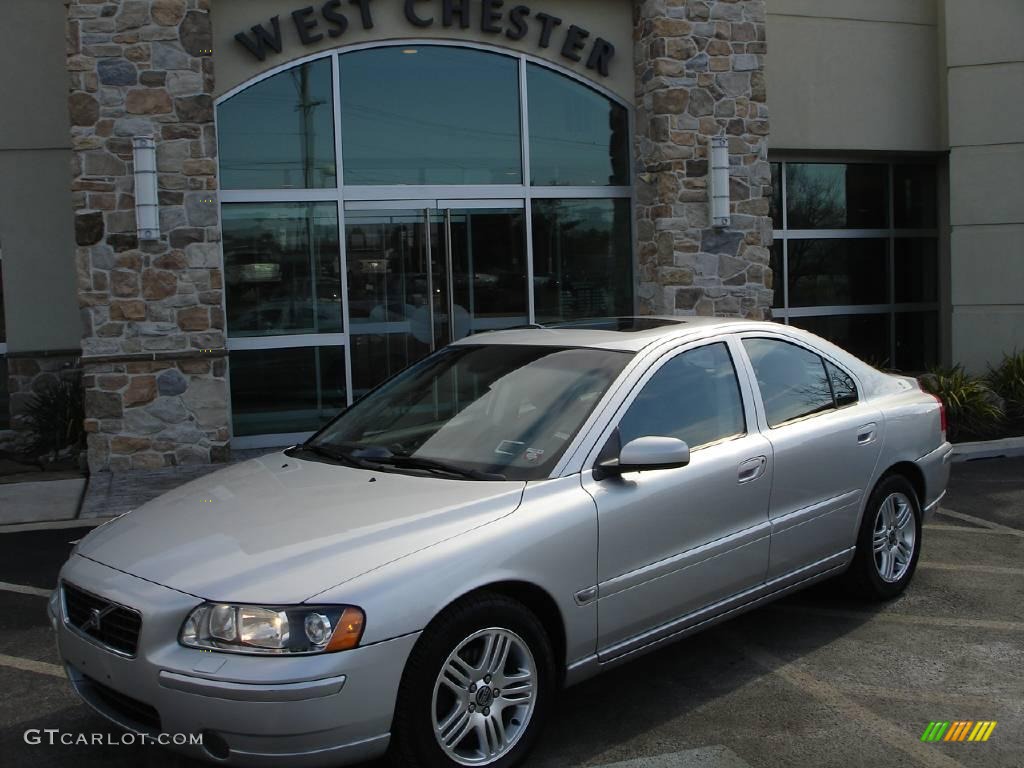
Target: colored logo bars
{"type": "Point", "coordinates": [959, 730]}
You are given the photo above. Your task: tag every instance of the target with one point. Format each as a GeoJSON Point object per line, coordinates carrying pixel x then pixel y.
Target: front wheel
{"type": "Point", "coordinates": [889, 541]}
{"type": "Point", "coordinates": [476, 687]}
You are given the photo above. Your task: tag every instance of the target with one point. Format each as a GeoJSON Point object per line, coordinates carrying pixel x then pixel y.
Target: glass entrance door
{"type": "Point", "coordinates": [422, 274]}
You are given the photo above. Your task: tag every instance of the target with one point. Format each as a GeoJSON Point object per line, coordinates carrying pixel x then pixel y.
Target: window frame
{"type": "Point", "coordinates": [342, 194]}
{"type": "Point", "coordinates": [762, 413]}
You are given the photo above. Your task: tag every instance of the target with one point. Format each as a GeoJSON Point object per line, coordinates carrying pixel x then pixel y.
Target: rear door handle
{"type": "Point", "coordinates": [866, 434]}
{"type": "Point", "coordinates": [752, 469]}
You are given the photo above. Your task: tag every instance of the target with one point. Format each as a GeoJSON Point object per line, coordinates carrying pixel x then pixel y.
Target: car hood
{"type": "Point", "coordinates": [279, 530]}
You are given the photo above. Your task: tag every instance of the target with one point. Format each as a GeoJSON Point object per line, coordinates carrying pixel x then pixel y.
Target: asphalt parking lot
{"type": "Point", "coordinates": [815, 680]}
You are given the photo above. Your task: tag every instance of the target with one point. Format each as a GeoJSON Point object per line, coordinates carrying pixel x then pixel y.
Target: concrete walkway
{"type": "Point", "coordinates": [35, 501]}
{"type": "Point", "coordinates": [113, 493]}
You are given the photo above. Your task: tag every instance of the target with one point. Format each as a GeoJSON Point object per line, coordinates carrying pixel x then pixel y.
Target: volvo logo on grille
{"type": "Point", "coordinates": [95, 617]}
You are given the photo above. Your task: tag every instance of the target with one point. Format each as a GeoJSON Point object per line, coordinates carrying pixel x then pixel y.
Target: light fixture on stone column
{"type": "Point", "coordinates": [718, 187]}
{"type": "Point", "coordinates": [147, 204]}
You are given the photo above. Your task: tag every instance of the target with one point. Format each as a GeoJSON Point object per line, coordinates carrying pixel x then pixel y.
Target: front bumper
{"type": "Point", "coordinates": [332, 709]}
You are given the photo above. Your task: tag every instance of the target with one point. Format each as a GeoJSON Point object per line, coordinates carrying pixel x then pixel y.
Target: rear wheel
{"type": "Point", "coordinates": [889, 541]}
{"type": "Point", "coordinates": [476, 688]}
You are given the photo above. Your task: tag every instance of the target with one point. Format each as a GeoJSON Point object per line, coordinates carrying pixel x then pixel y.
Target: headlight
{"type": "Point", "coordinates": [273, 630]}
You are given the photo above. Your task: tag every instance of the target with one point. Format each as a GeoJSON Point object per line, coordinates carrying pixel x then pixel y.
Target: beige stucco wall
{"type": "Point", "coordinates": [985, 84]}
{"type": "Point", "coordinates": [854, 75]}
{"type": "Point", "coordinates": [610, 19]}
{"type": "Point", "coordinates": [36, 230]}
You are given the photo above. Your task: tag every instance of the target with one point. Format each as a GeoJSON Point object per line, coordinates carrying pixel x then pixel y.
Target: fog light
{"type": "Point", "coordinates": [318, 628]}
{"type": "Point", "coordinates": [215, 745]}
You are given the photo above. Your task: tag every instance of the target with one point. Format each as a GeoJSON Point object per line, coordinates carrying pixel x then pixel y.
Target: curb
{"type": "Point", "coordinates": [1007, 448]}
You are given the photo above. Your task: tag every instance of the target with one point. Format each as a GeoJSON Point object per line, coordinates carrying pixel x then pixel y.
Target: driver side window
{"type": "Point", "coordinates": [694, 397]}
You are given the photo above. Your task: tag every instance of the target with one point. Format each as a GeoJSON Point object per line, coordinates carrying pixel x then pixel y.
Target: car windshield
{"type": "Point", "coordinates": [476, 412]}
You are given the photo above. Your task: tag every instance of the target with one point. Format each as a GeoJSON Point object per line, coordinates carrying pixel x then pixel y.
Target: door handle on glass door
{"type": "Point", "coordinates": [752, 469]}
{"type": "Point", "coordinates": [866, 434]}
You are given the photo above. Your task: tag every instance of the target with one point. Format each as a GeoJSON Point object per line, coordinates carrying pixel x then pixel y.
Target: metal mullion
{"type": "Point", "coordinates": [433, 192]}
{"type": "Point", "coordinates": [524, 123]}
{"type": "Point", "coordinates": [297, 341]}
{"type": "Point", "coordinates": [278, 196]}
{"type": "Point", "coordinates": [558, 193]}
{"type": "Point", "coordinates": [339, 167]}
{"type": "Point", "coordinates": [785, 242]}
{"type": "Point", "coordinates": [838, 234]}
{"type": "Point", "coordinates": [531, 300]}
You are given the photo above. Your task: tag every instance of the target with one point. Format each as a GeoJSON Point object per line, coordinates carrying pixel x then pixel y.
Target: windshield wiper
{"type": "Point", "coordinates": [438, 467]}
{"type": "Point", "coordinates": [337, 456]}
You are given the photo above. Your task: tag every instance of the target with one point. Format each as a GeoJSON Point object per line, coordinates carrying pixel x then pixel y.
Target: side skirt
{"type": "Point", "coordinates": [704, 618]}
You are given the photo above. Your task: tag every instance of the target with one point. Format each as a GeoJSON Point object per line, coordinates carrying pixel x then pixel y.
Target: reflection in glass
{"type": "Point", "coordinates": [509, 410]}
{"type": "Point", "coordinates": [582, 260]}
{"type": "Point", "coordinates": [791, 379]}
{"type": "Point", "coordinates": [431, 115]}
{"type": "Point", "coordinates": [283, 391]}
{"type": "Point", "coordinates": [836, 196]}
{"type": "Point", "coordinates": [389, 281]}
{"type": "Point", "coordinates": [577, 136]}
{"type": "Point", "coordinates": [915, 197]}
{"type": "Point", "coordinates": [866, 336]}
{"type": "Point", "coordinates": [778, 272]}
{"type": "Point", "coordinates": [843, 386]}
{"type": "Point", "coordinates": [3, 326]}
{"type": "Point", "coordinates": [282, 268]}
{"type": "Point", "coordinates": [832, 272]}
{"type": "Point", "coordinates": [5, 398]}
{"type": "Point", "coordinates": [489, 260]}
{"type": "Point", "coordinates": [916, 266]}
{"type": "Point", "coordinates": [279, 133]}
{"type": "Point", "coordinates": [917, 341]}
{"type": "Point", "coordinates": [694, 397]}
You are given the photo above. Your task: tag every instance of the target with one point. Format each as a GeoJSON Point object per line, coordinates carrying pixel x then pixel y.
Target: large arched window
{"type": "Point", "coordinates": [379, 203]}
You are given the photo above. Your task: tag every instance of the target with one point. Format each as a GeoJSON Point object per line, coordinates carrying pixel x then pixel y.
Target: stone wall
{"type": "Point", "coordinates": [700, 73]}
{"type": "Point", "coordinates": [153, 316]}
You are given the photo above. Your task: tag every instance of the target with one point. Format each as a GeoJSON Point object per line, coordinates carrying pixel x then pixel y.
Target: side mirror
{"type": "Point", "coordinates": [646, 454]}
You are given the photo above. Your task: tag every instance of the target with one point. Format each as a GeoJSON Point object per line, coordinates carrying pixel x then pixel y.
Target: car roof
{"type": "Point", "coordinates": [634, 334]}
{"type": "Point", "coordinates": [628, 334]}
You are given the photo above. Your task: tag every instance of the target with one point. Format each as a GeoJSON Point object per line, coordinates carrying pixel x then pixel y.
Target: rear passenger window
{"type": "Point", "coordinates": [694, 397]}
{"type": "Point", "coordinates": [792, 380]}
{"type": "Point", "coordinates": [843, 386]}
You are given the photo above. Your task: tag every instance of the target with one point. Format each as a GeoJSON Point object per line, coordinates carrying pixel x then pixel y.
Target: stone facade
{"type": "Point", "coordinates": [700, 73]}
{"type": "Point", "coordinates": [152, 312]}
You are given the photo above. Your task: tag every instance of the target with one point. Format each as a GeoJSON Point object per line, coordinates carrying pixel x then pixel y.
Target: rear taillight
{"type": "Point", "coordinates": [943, 423]}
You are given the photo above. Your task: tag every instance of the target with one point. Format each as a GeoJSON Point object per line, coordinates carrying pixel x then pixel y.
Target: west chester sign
{"type": "Point", "coordinates": [333, 18]}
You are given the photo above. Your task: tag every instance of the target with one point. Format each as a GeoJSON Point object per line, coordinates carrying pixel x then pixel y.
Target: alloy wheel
{"type": "Point", "coordinates": [894, 537]}
{"type": "Point", "coordinates": [484, 697]}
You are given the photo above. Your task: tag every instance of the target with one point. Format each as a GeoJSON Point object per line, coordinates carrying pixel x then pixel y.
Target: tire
{"type": "Point", "coordinates": [884, 574]}
{"type": "Point", "coordinates": [457, 643]}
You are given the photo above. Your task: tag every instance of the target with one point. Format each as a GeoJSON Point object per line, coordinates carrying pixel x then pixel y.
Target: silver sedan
{"type": "Point", "coordinates": [514, 514]}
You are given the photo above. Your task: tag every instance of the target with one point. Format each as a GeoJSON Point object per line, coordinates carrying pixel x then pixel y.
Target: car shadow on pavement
{"type": "Point", "coordinates": [610, 715]}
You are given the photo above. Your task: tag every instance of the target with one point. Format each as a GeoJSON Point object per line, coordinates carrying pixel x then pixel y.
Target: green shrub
{"type": "Point", "coordinates": [55, 417]}
{"type": "Point", "coordinates": [972, 407]}
{"type": "Point", "coordinates": [1008, 382]}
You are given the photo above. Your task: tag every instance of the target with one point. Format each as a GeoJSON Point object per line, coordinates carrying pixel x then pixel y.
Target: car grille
{"type": "Point", "coordinates": [109, 624]}
{"type": "Point", "coordinates": [131, 710]}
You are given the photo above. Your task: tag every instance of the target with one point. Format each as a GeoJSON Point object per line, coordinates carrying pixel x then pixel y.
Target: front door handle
{"type": "Point", "coordinates": [752, 469]}
{"type": "Point", "coordinates": [866, 434]}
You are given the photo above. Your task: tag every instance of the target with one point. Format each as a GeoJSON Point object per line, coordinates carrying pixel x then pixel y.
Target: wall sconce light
{"type": "Point", "coordinates": [719, 186]}
{"type": "Point", "coordinates": [147, 204]}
